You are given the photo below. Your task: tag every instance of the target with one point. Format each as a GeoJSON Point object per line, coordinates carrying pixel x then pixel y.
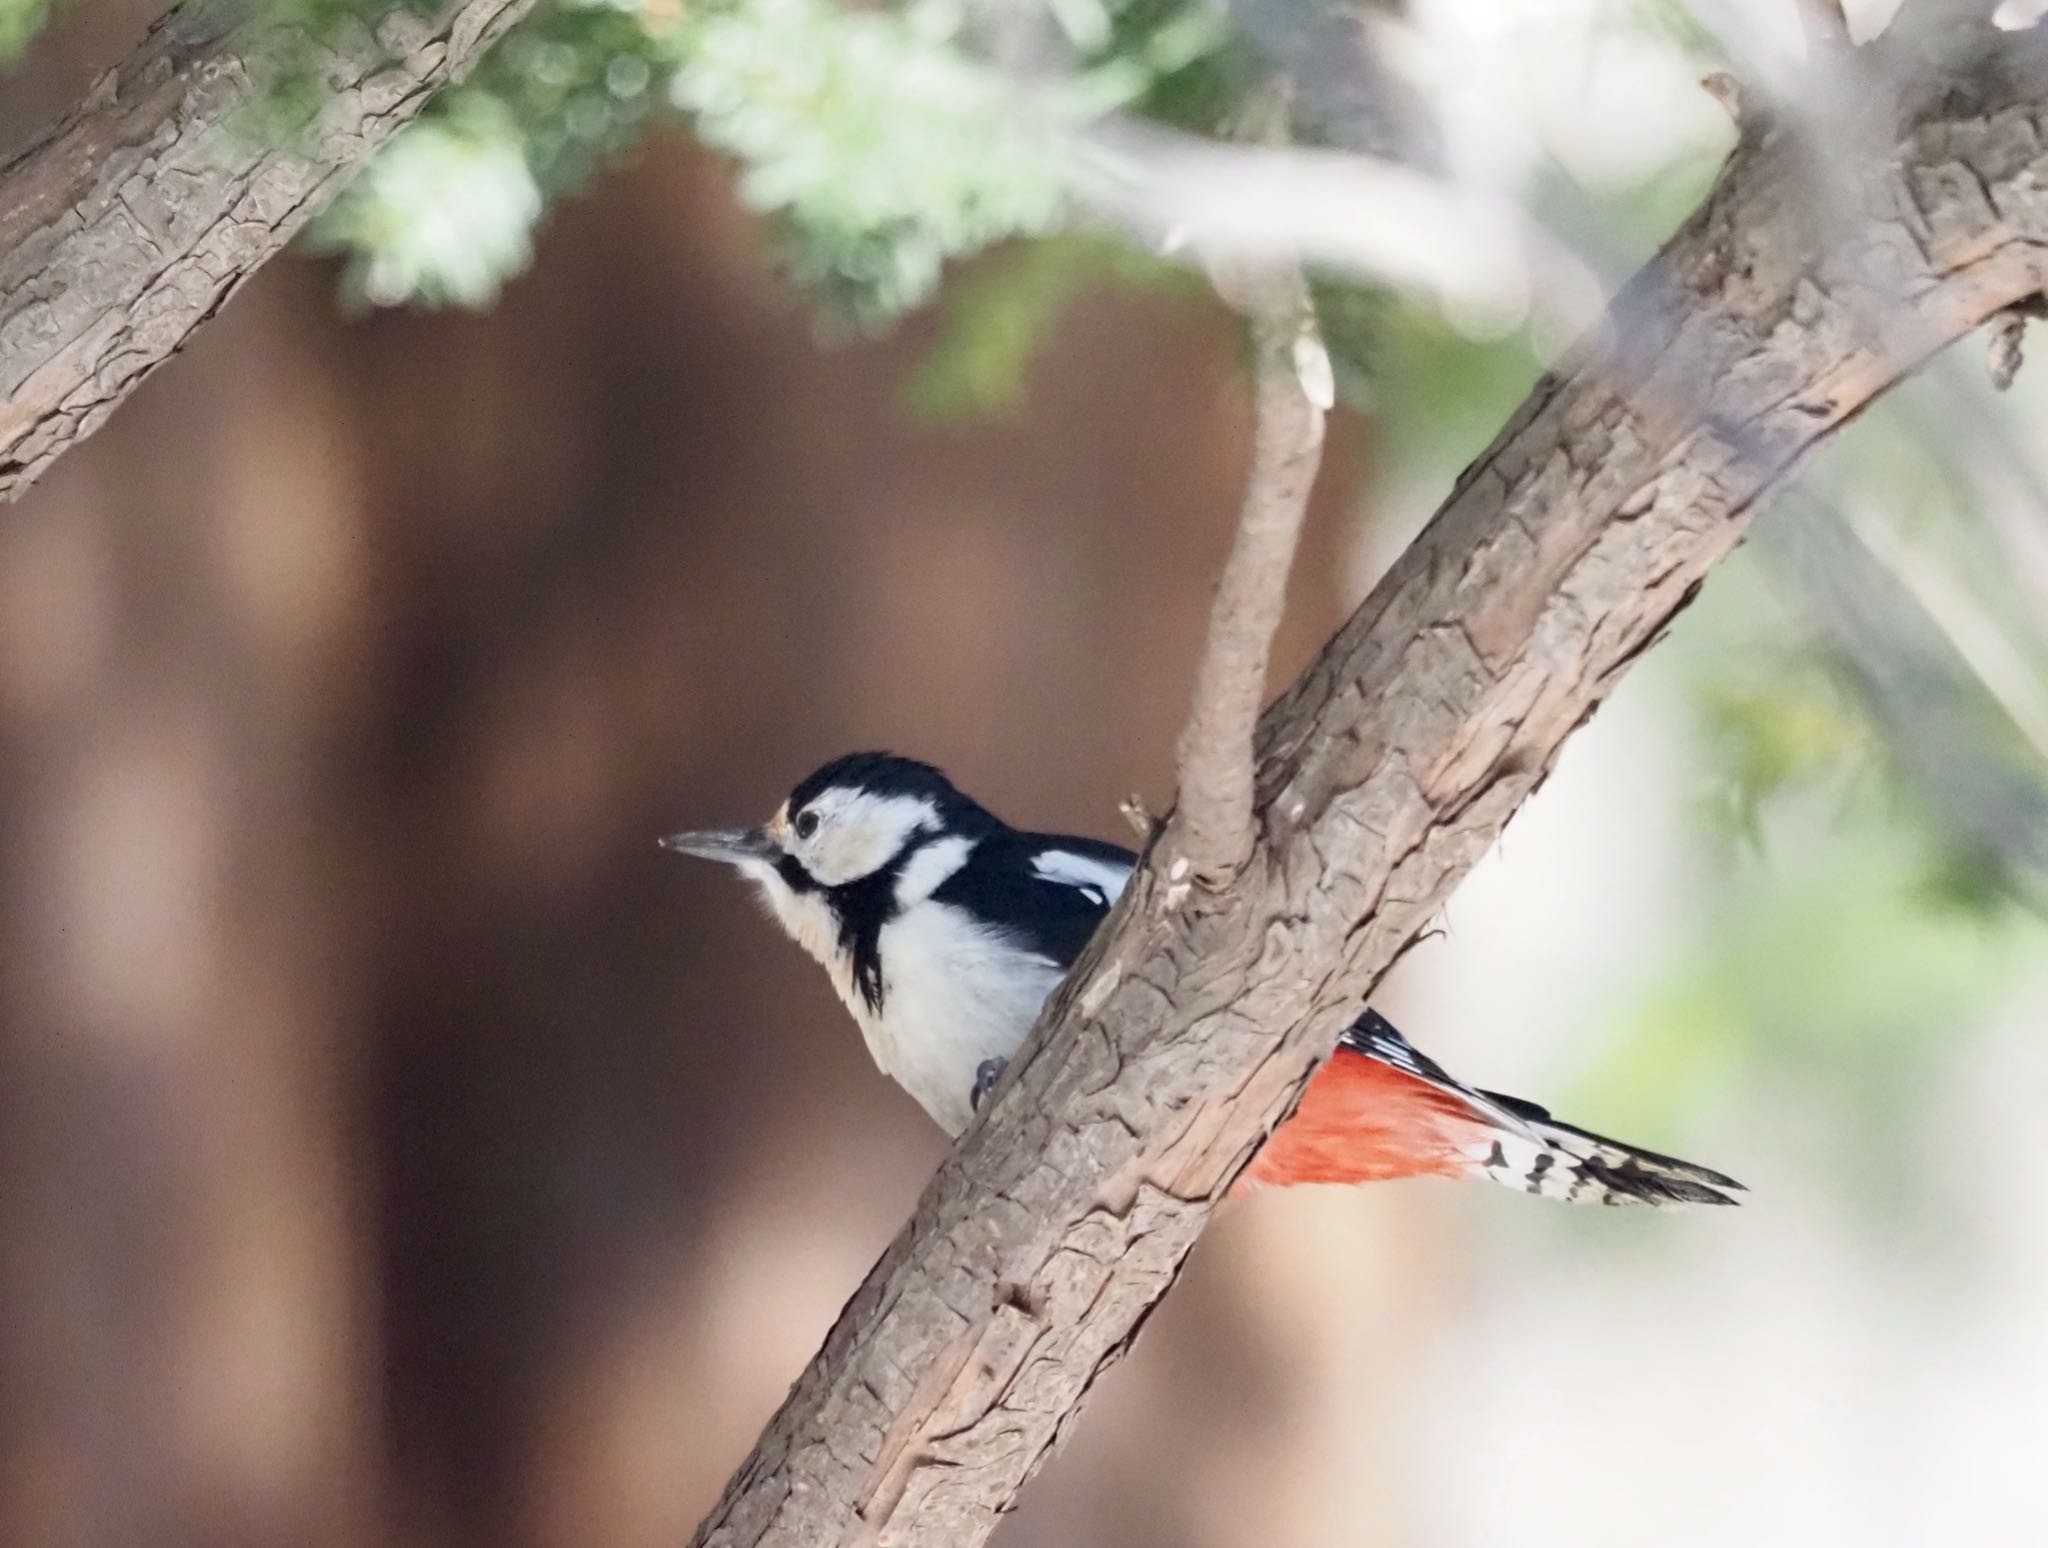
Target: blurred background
{"type": "Point", "coordinates": [396, 1149]}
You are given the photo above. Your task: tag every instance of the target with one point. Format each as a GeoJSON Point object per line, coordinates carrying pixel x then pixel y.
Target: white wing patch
{"type": "Point", "coordinates": [1102, 880]}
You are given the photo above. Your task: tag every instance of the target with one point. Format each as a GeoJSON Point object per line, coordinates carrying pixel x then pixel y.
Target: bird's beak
{"type": "Point", "coordinates": [729, 846]}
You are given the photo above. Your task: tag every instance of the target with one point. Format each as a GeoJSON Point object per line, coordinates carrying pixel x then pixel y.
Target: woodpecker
{"type": "Point", "coordinates": [944, 929]}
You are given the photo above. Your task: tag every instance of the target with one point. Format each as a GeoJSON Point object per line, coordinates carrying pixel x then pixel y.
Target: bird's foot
{"type": "Point", "coordinates": [986, 1074]}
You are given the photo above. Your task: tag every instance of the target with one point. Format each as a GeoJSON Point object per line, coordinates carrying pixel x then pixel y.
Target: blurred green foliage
{"type": "Point", "coordinates": [1776, 727]}
{"type": "Point", "coordinates": [1841, 973]}
{"type": "Point", "coordinates": [443, 216]}
{"type": "Point", "coordinates": [881, 143]}
{"type": "Point", "coordinates": [880, 146]}
{"type": "Point", "coordinates": [1437, 395]}
{"type": "Point", "coordinates": [1671, 19]}
{"type": "Point", "coordinates": [20, 20]}
{"type": "Point", "coordinates": [997, 317]}
{"type": "Point", "coordinates": [445, 213]}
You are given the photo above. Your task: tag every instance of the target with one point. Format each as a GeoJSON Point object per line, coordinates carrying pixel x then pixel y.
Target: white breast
{"type": "Point", "coordinates": [954, 994]}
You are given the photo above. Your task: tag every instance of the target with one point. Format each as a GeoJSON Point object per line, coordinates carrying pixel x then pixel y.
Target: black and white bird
{"type": "Point", "coordinates": [944, 929]}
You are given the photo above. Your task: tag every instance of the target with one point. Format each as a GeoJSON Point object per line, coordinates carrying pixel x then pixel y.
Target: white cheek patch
{"type": "Point", "coordinates": [1102, 880]}
{"type": "Point", "coordinates": [863, 833]}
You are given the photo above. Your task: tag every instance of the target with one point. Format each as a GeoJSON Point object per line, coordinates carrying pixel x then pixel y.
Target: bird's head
{"type": "Point", "coordinates": [853, 821]}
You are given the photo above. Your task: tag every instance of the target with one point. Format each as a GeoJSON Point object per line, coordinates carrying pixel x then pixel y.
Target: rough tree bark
{"type": "Point", "coordinates": [1187, 1031]}
{"type": "Point", "coordinates": [127, 224]}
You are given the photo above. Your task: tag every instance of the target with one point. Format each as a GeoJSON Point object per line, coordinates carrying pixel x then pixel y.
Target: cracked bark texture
{"type": "Point", "coordinates": [1187, 1031]}
{"type": "Point", "coordinates": [127, 224]}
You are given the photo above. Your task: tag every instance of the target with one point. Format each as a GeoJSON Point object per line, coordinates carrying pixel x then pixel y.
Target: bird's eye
{"type": "Point", "coordinates": [806, 824]}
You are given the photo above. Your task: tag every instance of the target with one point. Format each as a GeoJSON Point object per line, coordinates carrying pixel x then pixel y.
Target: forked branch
{"type": "Point", "coordinates": [1292, 391]}
{"type": "Point", "coordinates": [1185, 1033]}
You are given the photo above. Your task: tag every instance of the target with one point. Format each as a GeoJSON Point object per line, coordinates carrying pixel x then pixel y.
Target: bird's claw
{"type": "Point", "coordinates": [986, 1074]}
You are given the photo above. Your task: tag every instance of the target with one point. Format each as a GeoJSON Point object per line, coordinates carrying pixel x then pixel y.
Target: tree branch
{"type": "Point", "coordinates": [1186, 1032]}
{"type": "Point", "coordinates": [1293, 390]}
{"type": "Point", "coordinates": [127, 224]}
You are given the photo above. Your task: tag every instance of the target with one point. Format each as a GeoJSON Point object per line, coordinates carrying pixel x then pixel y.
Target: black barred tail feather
{"type": "Point", "coordinates": [1558, 1161]}
{"type": "Point", "coordinates": [1477, 1133]}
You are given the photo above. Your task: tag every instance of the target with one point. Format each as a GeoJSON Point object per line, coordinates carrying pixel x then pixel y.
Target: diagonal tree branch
{"type": "Point", "coordinates": [1187, 1031]}
{"type": "Point", "coordinates": [127, 224]}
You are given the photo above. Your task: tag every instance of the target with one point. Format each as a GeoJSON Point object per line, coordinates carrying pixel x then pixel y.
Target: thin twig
{"type": "Point", "coordinates": [2004, 353]}
{"type": "Point", "coordinates": [1133, 810]}
{"type": "Point", "coordinates": [1725, 89]}
{"type": "Point", "coordinates": [1212, 827]}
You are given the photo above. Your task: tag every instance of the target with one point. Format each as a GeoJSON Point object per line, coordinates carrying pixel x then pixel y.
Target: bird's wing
{"type": "Point", "coordinates": [1049, 891]}
{"type": "Point", "coordinates": [1089, 865]}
